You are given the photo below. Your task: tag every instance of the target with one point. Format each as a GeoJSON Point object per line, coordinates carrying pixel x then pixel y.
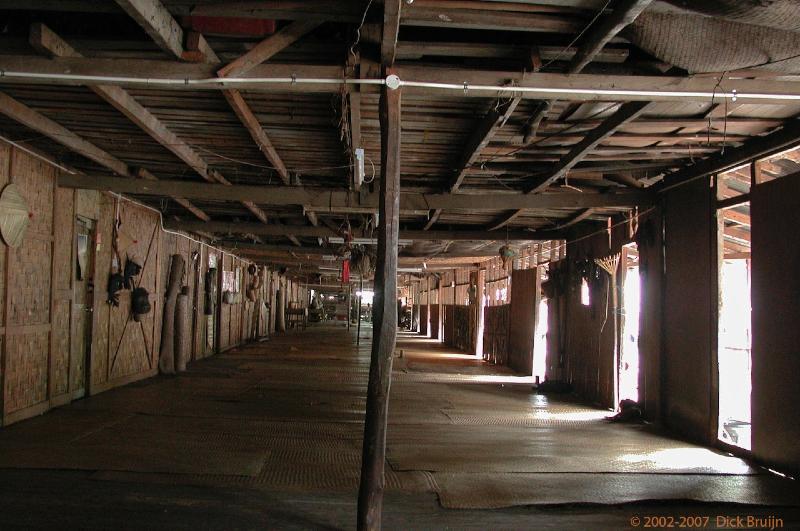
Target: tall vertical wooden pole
{"type": "Point", "coordinates": [360, 294]}
{"type": "Point", "coordinates": [384, 317]}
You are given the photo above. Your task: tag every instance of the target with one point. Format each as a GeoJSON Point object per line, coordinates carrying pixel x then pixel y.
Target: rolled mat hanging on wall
{"type": "Point", "coordinates": [182, 340]}
{"type": "Point", "coordinates": [166, 363]}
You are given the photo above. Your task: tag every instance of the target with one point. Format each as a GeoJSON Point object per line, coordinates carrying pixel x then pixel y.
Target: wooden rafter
{"type": "Point", "coordinates": [333, 200]}
{"type": "Point", "coordinates": [268, 48]}
{"type": "Point", "coordinates": [243, 64]}
{"type": "Point", "coordinates": [626, 113]}
{"type": "Point", "coordinates": [45, 40]}
{"type": "Point", "coordinates": [391, 28]}
{"type": "Point", "coordinates": [784, 138]}
{"type": "Point", "coordinates": [157, 21]}
{"type": "Point", "coordinates": [32, 119]}
{"type": "Point", "coordinates": [220, 227]}
{"type": "Point", "coordinates": [632, 88]}
{"type": "Point", "coordinates": [625, 12]}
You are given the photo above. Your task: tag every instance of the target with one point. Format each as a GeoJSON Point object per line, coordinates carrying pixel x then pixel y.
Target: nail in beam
{"type": "Point", "coordinates": [384, 316]}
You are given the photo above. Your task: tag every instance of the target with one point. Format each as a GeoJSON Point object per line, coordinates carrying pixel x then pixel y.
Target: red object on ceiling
{"type": "Point", "coordinates": [230, 26]}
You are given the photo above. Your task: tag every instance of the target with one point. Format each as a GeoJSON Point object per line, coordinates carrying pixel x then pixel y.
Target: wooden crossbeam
{"type": "Point", "coordinates": [640, 88]}
{"type": "Point", "coordinates": [626, 113]}
{"type": "Point", "coordinates": [306, 231]}
{"type": "Point", "coordinates": [157, 21]}
{"type": "Point", "coordinates": [46, 41]}
{"type": "Point", "coordinates": [185, 203]}
{"type": "Point", "coordinates": [391, 28]}
{"type": "Point", "coordinates": [624, 13]}
{"type": "Point", "coordinates": [321, 200]}
{"type": "Point", "coordinates": [32, 119]}
{"type": "Point", "coordinates": [268, 47]}
{"type": "Point", "coordinates": [786, 137]}
{"type": "Point", "coordinates": [244, 63]}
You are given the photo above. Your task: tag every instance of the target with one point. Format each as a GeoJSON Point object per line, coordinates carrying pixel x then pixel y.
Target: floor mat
{"type": "Point", "coordinates": [493, 491]}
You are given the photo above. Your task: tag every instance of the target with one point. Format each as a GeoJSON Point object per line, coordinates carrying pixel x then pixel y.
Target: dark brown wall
{"type": "Point", "coordinates": [776, 335]}
{"type": "Point", "coordinates": [590, 343]}
{"type": "Point", "coordinates": [687, 365]}
{"type": "Point", "coordinates": [524, 297]}
{"type": "Point", "coordinates": [588, 353]}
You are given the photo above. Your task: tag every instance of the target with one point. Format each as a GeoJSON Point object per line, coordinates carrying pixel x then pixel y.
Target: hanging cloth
{"type": "Point", "coordinates": [345, 271]}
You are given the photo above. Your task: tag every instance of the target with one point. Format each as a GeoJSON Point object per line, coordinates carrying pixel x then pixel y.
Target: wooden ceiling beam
{"type": "Point", "coordinates": [626, 113]}
{"type": "Point", "coordinates": [182, 201]}
{"type": "Point", "coordinates": [44, 40]}
{"type": "Point", "coordinates": [639, 88]}
{"type": "Point", "coordinates": [158, 22]}
{"type": "Point", "coordinates": [268, 47]}
{"type": "Point", "coordinates": [36, 121]}
{"type": "Point", "coordinates": [327, 200]}
{"type": "Point", "coordinates": [785, 138]}
{"type": "Point", "coordinates": [624, 13]}
{"type": "Point", "coordinates": [391, 29]}
{"type": "Point", "coordinates": [217, 227]}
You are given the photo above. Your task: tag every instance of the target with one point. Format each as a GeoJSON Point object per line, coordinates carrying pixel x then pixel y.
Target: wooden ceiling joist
{"type": "Point", "coordinates": [157, 21]}
{"type": "Point", "coordinates": [624, 13]}
{"type": "Point", "coordinates": [36, 121]}
{"type": "Point", "coordinates": [322, 200]}
{"type": "Point", "coordinates": [784, 138]}
{"type": "Point", "coordinates": [45, 40]}
{"type": "Point", "coordinates": [626, 113]}
{"type": "Point", "coordinates": [217, 227]}
{"type": "Point", "coordinates": [549, 85]}
{"type": "Point", "coordinates": [268, 47]}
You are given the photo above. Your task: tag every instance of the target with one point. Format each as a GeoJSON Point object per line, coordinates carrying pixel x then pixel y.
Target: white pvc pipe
{"type": "Point", "coordinates": [464, 86]}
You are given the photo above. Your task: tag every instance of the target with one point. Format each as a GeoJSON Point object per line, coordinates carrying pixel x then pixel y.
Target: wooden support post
{"type": "Point", "coordinates": [360, 294]}
{"type": "Point", "coordinates": [370, 494]}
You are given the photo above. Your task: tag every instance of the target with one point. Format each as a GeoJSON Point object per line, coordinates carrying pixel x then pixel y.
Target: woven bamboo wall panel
{"type": "Point", "coordinates": [462, 327]}
{"type": "Point", "coordinates": [26, 370]}
{"type": "Point", "coordinates": [35, 180]}
{"type": "Point", "coordinates": [142, 226]}
{"type": "Point", "coordinates": [130, 342]}
{"type": "Point", "coordinates": [495, 334]}
{"type": "Point", "coordinates": [87, 203]}
{"type": "Point", "coordinates": [64, 222]}
{"type": "Point", "coordinates": [100, 340]}
{"type": "Point", "coordinates": [60, 347]}
{"type": "Point", "coordinates": [30, 285]}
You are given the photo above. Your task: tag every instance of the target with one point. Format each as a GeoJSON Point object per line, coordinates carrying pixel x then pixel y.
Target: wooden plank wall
{"type": "Point", "coordinates": [775, 285]}
{"type": "Point", "coordinates": [522, 319]}
{"type": "Point", "coordinates": [495, 333]}
{"type": "Point", "coordinates": [36, 294]}
{"type": "Point", "coordinates": [688, 369]}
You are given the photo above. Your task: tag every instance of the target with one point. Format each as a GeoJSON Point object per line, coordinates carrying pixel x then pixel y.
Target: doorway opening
{"type": "Point", "coordinates": [540, 341]}
{"type": "Point", "coordinates": [734, 326]}
{"type": "Point", "coordinates": [82, 307]}
{"type": "Point", "coordinates": [629, 324]}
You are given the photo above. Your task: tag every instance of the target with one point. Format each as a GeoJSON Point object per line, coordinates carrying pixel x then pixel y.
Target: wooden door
{"type": "Point", "coordinates": [82, 307]}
